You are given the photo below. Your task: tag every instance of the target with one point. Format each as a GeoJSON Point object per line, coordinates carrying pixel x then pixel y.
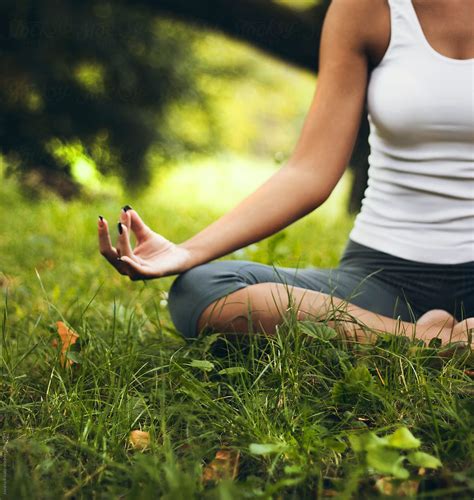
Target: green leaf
{"type": "Point", "coordinates": [266, 449]}
{"type": "Point", "coordinates": [387, 461]}
{"type": "Point", "coordinates": [74, 356]}
{"type": "Point", "coordinates": [318, 331]}
{"type": "Point", "coordinates": [435, 343]}
{"type": "Point", "coordinates": [422, 459]}
{"type": "Point", "coordinates": [359, 374]}
{"type": "Point", "coordinates": [208, 341]}
{"type": "Point", "coordinates": [233, 370]}
{"type": "Point", "coordinates": [334, 444]}
{"type": "Point", "coordinates": [293, 469]}
{"type": "Point", "coordinates": [202, 364]}
{"type": "Point", "coordinates": [403, 439]}
{"type": "Point", "coordinates": [366, 441]}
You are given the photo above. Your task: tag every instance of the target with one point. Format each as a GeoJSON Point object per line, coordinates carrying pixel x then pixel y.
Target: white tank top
{"type": "Point", "coordinates": [419, 203]}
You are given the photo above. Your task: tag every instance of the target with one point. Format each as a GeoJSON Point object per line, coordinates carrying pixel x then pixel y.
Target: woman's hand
{"type": "Point", "coordinates": [153, 256]}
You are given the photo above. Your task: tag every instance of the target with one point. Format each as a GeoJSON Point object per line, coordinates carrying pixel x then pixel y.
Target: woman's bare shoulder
{"type": "Point", "coordinates": [365, 24]}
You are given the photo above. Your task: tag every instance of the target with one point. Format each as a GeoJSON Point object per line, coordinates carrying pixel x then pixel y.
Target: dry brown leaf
{"type": "Point", "coordinates": [330, 493]}
{"type": "Point", "coordinates": [224, 466]}
{"type": "Point", "coordinates": [390, 487]}
{"type": "Point", "coordinates": [67, 338]}
{"type": "Point", "coordinates": [139, 440]}
{"type": "Point", "coordinates": [7, 282]}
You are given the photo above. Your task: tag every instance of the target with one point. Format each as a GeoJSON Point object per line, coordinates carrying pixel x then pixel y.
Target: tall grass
{"type": "Point", "coordinates": [287, 404]}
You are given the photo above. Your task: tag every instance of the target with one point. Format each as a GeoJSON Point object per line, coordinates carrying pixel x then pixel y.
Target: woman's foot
{"type": "Point", "coordinates": [444, 326]}
{"type": "Point", "coordinates": [437, 317]}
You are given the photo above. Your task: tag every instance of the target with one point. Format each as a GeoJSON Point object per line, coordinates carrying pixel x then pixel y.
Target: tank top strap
{"type": "Point", "coordinates": [405, 27]}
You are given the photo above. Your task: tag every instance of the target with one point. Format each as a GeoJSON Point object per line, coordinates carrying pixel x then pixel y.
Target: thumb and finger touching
{"type": "Point", "coordinates": [122, 257]}
{"type": "Point", "coordinates": [136, 270]}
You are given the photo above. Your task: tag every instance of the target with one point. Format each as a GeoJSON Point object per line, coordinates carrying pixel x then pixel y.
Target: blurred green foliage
{"type": "Point", "coordinates": [96, 88]}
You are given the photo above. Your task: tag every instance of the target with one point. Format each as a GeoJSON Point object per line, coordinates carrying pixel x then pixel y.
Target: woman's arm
{"type": "Point", "coordinates": [303, 184]}
{"type": "Point", "coordinates": [323, 149]}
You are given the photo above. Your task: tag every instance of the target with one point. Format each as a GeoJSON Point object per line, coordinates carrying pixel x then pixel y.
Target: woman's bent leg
{"type": "Point", "coordinates": [215, 283]}
{"type": "Point", "coordinates": [194, 290]}
{"type": "Point", "coordinates": [260, 308]}
{"type": "Point", "coordinates": [238, 296]}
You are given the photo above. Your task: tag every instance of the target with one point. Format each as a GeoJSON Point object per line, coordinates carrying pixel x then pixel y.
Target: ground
{"type": "Point", "coordinates": [284, 415]}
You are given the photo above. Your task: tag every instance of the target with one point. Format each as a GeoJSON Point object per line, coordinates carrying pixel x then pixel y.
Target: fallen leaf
{"type": "Point", "coordinates": [224, 466]}
{"type": "Point", "coordinates": [139, 440]}
{"type": "Point", "coordinates": [67, 338]}
{"type": "Point", "coordinates": [330, 493]}
{"type": "Point", "coordinates": [394, 488]}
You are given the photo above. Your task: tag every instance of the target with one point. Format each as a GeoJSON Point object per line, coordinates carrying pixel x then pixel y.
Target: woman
{"type": "Point", "coordinates": [408, 266]}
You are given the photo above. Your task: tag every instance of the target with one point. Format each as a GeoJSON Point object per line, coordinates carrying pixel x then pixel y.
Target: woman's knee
{"type": "Point", "coordinates": [190, 288]}
{"type": "Point", "coordinates": [258, 307]}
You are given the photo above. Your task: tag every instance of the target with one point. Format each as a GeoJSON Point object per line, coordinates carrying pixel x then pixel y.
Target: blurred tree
{"type": "Point", "coordinates": [100, 74]}
{"type": "Point", "coordinates": [92, 75]}
{"type": "Point", "coordinates": [287, 29]}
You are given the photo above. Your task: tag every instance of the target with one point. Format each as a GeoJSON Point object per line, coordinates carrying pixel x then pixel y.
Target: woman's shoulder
{"type": "Point", "coordinates": [366, 22]}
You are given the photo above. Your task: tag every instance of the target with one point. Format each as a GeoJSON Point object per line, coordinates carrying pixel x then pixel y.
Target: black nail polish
{"type": "Point", "coordinates": [101, 218]}
{"type": "Point", "coordinates": [126, 208]}
{"type": "Point", "coordinates": [119, 227]}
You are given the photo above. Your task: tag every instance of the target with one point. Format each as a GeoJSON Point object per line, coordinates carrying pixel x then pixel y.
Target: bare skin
{"type": "Point", "coordinates": [356, 34]}
{"type": "Point", "coordinates": [260, 308]}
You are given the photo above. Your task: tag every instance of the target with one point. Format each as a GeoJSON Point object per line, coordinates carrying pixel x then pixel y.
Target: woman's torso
{"type": "Point", "coordinates": [447, 25]}
{"type": "Point", "coordinates": [419, 203]}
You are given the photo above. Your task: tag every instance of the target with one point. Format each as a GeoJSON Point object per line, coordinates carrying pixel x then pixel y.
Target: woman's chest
{"type": "Point", "coordinates": [417, 99]}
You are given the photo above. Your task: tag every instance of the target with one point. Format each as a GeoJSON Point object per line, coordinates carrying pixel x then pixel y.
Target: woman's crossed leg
{"type": "Point", "coordinates": [261, 307]}
{"type": "Point", "coordinates": [239, 296]}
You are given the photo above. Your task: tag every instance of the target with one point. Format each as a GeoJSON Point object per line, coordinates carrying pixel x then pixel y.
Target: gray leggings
{"type": "Point", "coordinates": [373, 280]}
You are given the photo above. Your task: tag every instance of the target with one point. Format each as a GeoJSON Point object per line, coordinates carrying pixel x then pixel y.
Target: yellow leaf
{"type": "Point", "coordinates": [67, 338]}
{"type": "Point", "coordinates": [139, 440]}
{"type": "Point", "coordinates": [224, 466]}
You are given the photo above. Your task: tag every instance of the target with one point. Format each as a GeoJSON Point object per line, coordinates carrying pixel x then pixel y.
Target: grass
{"type": "Point", "coordinates": [290, 406]}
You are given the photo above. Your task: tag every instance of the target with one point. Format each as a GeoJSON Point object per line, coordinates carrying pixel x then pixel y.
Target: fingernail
{"type": "Point", "coordinates": [101, 218]}
{"type": "Point", "coordinates": [120, 228]}
{"type": "Point", "coordinates": [126, 208]}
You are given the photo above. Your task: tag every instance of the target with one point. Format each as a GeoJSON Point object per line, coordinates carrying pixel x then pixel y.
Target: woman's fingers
{"type": "Point", "coordinates": [123, 242]}
{"type": "Point", "coordinates": [105, 243]}
{"type": "Point", "coordinates": [106, 248]}
{"type": "Point", "coordinates": [122, 256]}
{"type": "Point", "coordinates": [125, 217]}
